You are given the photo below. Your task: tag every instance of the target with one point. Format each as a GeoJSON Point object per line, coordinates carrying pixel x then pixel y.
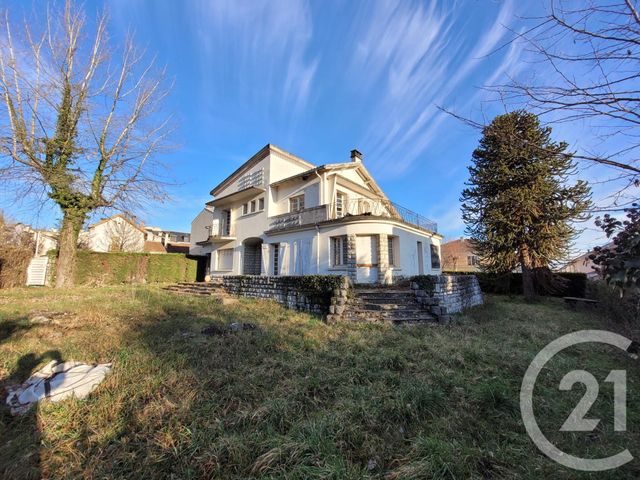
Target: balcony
{"type": "Point", "coordinates": [353, 207]}
{"type": "Point", "coordinates": [220, 233]}
{"type": "Point", "coordinates": [308, 216]}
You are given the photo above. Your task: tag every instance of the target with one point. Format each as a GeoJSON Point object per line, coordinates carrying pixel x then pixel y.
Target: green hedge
{"type": "Point", "coordinates": [575, 284]}
{"type": "Point", "coordinates": [95, 268]}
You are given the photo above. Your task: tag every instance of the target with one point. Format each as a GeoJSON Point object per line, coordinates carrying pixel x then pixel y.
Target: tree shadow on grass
{"type": "Point", "coordinates": [295, 398]}
{"type": "Point", "coordinates": [9, 328]}
{"type": "Point", "coordinates": [20, 435]}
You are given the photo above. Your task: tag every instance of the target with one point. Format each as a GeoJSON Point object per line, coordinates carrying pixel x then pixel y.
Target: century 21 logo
{"type": "Point", "coordinates": [576, 421]}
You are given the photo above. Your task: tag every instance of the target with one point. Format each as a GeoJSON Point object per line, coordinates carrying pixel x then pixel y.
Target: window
{"type": "Point", "coordinates": [225, 259]}
{"type": "Point", "coordinates": [296, 203]}
{"type": "Point", "coordinates": [435, 256]}
{"type": "Point", "coordinates": [392, 245]}
{"type": "Point", "coordinates": [116, 244]}
{"type": "Point", "coordinates": [276, 257]}
{"type": "Point", "coordinates": [253, 206]}
{"type": "Point", "coordinates": [340, 204]}
{"type": "Point", "coordinates": [339, 255]}
{"type": "Point", "coordinates": [226, 218]}
{"type": "Point", "coordinates": [472, 260]}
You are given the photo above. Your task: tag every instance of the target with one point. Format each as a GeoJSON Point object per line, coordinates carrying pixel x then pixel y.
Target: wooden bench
{"type": "Point", "coordinates": [575, 301]}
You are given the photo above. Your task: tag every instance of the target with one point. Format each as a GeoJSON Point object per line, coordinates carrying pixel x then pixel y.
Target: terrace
{"type": "Point", "coordinates": [353, 207]}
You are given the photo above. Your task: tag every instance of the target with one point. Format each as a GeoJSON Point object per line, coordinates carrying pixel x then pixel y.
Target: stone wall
{"type": "Point", "coordinates": [448, 293]}
{"type": "Point", "coordinates": [317, 294]}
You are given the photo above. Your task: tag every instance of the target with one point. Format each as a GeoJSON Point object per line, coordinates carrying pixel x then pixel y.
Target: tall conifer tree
{"type": "Point", "coordinates": [518, 206]}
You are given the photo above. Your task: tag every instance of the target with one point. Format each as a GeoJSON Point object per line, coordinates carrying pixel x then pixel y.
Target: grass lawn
{"type": "Point", "coordinates": [297, 398]}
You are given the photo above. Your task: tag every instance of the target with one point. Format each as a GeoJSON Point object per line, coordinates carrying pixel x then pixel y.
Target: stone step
{"type": "Point", "coordinates": [192, 294]}
{"type": "Point", "coordinates": [388, 313]}
{"type": "Point", "coordinates": [198, 284]}
{"type": "Point", "coordinates": [421, 319]}
{"type": "Point", "coordinates": [365, 291]}
{"type": "Point", "coordinates": [362, 305]}
{"type": "Point", "coordinates": [194, 288]}
{"type": "Point", "coordinates": [187, 289]}
{"type": "Point", "coordinates": [386, 298]}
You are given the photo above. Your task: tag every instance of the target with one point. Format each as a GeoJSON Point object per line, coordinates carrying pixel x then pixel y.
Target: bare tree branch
{"type": "Point", "coordinates": [82, 121]}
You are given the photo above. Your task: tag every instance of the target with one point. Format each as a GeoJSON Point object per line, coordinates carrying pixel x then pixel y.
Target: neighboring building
{"type": "Point", "coordinates": [121, 234]}
{"type": "Point", "coordinates": [458, 256]}
{"type": "Point", "coordinates": [582, 264]}
{"type": "Point", "coordinates": [278, 214]}
{"type": "Point", "coordinates": [44, 240]}
{"type": "Point", "coordinates": [114, 234]}
{"type": "Point", "coordinates": [166, 237]}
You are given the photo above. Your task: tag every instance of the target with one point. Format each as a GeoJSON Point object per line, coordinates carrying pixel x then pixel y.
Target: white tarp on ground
{"type": "Point", "coordinates": [55, 382]}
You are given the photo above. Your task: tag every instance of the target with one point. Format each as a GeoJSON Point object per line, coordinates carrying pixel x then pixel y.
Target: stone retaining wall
{"type": "Point", "coordinates": [448, 293]}
{"type": "Point", "coordinates": [312, 293]}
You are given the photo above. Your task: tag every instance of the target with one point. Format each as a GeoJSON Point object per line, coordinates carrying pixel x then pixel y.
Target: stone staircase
{"type": "Point", "coordinates": [196, 288]}
{"type": "Point", "coordinates": [386, 304]}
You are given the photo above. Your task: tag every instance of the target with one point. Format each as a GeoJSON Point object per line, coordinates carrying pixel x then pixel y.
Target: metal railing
{"type": "Point", "coordinates": [352, 207]}
{"type": "Point", "coordinates": [221, 230]}
{"type": "Point", "coordinates": [381, 208]}
{"type": "Point", "coordinates": [306, 216]}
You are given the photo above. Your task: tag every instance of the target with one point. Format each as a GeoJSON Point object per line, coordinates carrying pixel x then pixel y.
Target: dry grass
{"type": "Point", "coordinates": [295, 398]}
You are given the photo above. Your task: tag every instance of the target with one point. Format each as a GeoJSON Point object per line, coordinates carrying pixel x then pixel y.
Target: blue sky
{"type": "Point", "coordinates": [320, 78]}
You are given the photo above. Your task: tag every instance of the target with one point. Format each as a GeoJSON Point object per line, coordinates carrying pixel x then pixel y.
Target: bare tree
{"type": "Point", "coordinates": [83, 121]}
{"type": "Point", "coordinates": [16, 250]}
{"type": "Point", "coordinates": [592, 50]}
{"type": "Point", "coordinates": [124, 236]}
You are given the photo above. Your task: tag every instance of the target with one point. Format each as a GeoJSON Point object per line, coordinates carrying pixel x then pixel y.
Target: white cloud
{"type": "Point", "coordinates": [413, 55]}
{"type": "Point", "coordinates": [268, 42]}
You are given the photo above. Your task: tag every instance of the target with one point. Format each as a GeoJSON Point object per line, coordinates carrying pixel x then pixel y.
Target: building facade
{"type": "Point", "coordinates": [278, 214]}
{"type": "Point", "coordinates": [119, 233]}
{"type": "Point", "coordinates": [458, 256]}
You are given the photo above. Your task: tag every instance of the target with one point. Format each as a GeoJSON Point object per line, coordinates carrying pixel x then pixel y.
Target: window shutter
{"type": "Point", "coordinates": [265, 260]}
{"type": "Point", "coordinates": [284, 259]}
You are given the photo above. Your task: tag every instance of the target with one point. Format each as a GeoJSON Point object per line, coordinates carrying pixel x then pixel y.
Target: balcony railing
{"type": "Point", "coordinates": [352, 207]}
{"type": "Point", "coordinates": [307, 216]}
{"type": "Point", "coordinates": [221, 231]}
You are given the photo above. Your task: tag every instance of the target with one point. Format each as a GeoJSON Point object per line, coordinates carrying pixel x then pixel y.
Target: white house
{"type": "Point", "coordinates": [280, 215]}
{"type": "Point", "coordinates": [114, 234]}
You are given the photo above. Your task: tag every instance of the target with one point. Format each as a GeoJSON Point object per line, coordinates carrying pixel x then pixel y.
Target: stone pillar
{"type": "Point", "coordinates": [385, 275]}
{"type": "Point", "coordinates": [351, 257]}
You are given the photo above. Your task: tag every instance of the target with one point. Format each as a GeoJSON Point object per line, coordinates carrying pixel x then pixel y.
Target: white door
{"type": "Point", "coordinates": [366, 259]}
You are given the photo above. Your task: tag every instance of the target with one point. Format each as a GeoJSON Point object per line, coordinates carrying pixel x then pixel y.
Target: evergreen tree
{"type": "Point", "coordinates": [518, 206]}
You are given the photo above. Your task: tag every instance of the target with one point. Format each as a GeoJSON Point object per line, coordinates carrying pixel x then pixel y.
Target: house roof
{"type": "Point", "coordinates": [321, 168]}
{"type": "Point", "coordinates": [154, 247]}
{"type": "Point", "coordinates": [105, 220]}
{"type": "Point", "coordinates": [329, 167]}
{"type": "Point", "coordinates": [244, 194]}
{"type": "Point", "coordinates": [463, 241]}
{"type": "Point", "coordinates": [260, 155]}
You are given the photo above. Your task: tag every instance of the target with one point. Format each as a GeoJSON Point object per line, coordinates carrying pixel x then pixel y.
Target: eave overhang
{"type": "Point", "coordinates": [239, 196]}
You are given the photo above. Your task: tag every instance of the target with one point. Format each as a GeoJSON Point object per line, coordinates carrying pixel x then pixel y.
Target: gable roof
{"type": "Point", "coordinates": [260, 155]}
{"type": "Point", "coordinates": [330, 167]}
{"type": "Point", "coordinates": [154, 247]}
{"type": "Point", "coordinates": [117, 215]}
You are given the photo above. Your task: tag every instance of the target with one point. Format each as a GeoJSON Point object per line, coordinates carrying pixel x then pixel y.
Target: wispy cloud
{"type": "Point", "coordinates": [268, 42]}
{"type": "Point", "coordinates": [417, 57]}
